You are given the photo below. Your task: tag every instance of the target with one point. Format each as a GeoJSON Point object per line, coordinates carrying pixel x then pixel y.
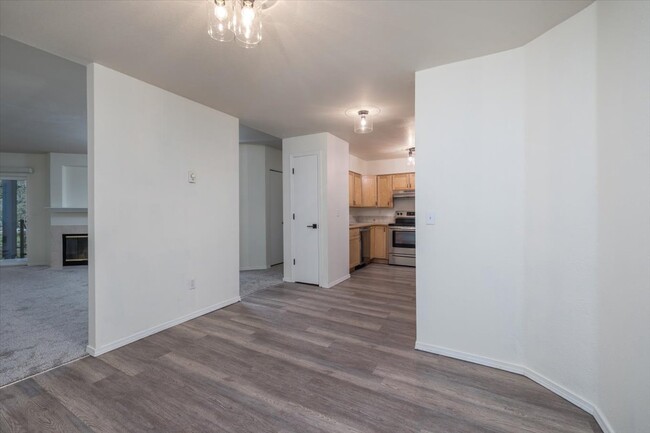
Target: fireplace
{"type": "Point", "coordinates": [75, 249]}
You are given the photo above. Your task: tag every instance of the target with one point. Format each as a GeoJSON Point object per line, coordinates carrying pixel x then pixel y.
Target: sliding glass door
{"type": "Point", "coordinates": [13, 221]}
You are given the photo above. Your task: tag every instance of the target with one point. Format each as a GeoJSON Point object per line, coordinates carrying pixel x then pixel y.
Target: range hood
{"type": "Point", "coordinates": [404, 193]}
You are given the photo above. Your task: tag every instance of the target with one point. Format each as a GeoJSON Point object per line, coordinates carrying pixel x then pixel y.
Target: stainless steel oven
{"type": "Point", "coordinates": [401, 241]}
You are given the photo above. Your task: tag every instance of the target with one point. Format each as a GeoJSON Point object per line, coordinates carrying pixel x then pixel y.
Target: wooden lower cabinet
{"type": "Point", "coordinates": [379, 242]}
{"type": "Point", "coordinates": [378, 245]}
{"type": "Point", "coordinates": [355, 248]}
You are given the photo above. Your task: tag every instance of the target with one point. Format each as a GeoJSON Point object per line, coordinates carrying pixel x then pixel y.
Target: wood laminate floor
{"type": "Point", "coordinates": [292, 358]}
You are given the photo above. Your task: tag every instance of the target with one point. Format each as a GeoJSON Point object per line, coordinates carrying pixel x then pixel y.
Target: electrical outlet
{"type": "Point", "coordinates": [192, 284]}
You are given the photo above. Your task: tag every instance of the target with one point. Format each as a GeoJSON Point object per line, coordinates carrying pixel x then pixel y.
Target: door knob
{"type": "Point", "coordinates": [312, 226]}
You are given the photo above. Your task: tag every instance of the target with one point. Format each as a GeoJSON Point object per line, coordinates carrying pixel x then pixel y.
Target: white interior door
{"type": "Point", "coordinates": [275, 218]}
{"type": "Point", "coordinates": [305, 225]}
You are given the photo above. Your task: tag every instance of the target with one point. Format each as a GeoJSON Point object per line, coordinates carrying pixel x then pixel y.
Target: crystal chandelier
{"type": "Point", "coordinates": [240, 20]}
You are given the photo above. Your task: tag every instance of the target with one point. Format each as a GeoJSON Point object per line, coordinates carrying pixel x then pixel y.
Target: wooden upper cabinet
{"type": "Point", "coordinates": [369, 191]}
{"type": "Point", "coordinates": [402, 181]}
{"type": "Point", "coordinates": [385, 191]}
{"type": "Point", "coordinates": [354, 187]}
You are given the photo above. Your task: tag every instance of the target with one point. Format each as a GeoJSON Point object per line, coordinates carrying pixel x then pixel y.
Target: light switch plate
{"type": "Point", "coordinates": [431, 218]}
{"type": "Point", "coordinates": [191, 177]}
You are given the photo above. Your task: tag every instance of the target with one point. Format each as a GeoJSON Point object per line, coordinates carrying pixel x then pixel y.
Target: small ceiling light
{"type": "Point", "coordinates": [363, 123]}
{"type": "Point", "coordinates": [235, 19]}
{"type": "Point", "coordinates": [411, 159]}
{"type": "Point", "coordinates": [363, 118]}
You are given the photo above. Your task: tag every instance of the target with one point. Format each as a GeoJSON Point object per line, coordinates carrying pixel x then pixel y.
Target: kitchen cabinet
{"type": "Point", "coordinates": [355, 248]}
{"type": "Point", "coordinates": [402, 181]}
{"type": "Point", "coordinates": [379, 242]}
{"type": "Point", "coordinates": [355, 189]}
{"type": "Point", "coordinates": [385, 191]}
{"type": "Point", "coordinates": [377, 191]}
{"type": "Point", "coordinates": [369, 191]}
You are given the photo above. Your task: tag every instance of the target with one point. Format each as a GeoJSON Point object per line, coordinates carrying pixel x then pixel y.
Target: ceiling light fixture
{"type": "Point", "coordinates": [235, 19]}
{"type": "Point", "coordinates": [363, 118]}
{"type": "Point", "coordinates": [363, 123]}
{"type": "Point", "coordinates": [411, 159]}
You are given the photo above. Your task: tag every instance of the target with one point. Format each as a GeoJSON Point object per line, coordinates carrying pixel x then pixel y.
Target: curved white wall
{"type": "Point", "coordinates": [560, 300]}
{"type": "Point", "coordinates": [538, 169]}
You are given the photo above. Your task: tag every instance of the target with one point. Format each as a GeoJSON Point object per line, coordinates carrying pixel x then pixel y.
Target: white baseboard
{"type": "Point", "coordinates": [147, 332]}
{"type": "Point", "coordinates": [253, 268]}
{"type": "Point", "coordinates": [337, 281]}
{"type": "Point", "coordinates": [489, 362]}
{"type": "Point", "coordinates": [602, 421]}
{"type": "Point", "coordinates": [524, 371]}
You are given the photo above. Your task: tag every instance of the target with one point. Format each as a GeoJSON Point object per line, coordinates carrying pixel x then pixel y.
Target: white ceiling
{"type": "Point", "coordinates": [42, 101]}
{"type": "Point", "coordinates": [317, 59]}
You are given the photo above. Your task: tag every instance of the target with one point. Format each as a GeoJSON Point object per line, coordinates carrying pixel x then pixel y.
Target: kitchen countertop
{"type": "Point", "coordinates": [362, 225]}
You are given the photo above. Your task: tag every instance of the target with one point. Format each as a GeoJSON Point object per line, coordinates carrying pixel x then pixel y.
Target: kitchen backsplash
{"type": "Point", "coordinates": [381, 215]}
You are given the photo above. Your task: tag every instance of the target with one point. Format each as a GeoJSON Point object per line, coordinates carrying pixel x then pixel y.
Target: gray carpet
{"type": "Point", "coordinates": [252, 281]}
{"type": "Point", "coordinates": [43, 318]}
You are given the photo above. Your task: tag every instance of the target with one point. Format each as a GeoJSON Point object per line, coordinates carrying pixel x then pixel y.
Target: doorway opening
{"type": "Point", "coordinates": [261, 228]}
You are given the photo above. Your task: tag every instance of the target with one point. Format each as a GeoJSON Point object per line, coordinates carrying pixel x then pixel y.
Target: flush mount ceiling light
{"type": "Point", "coordinates": [363, 117]}
{"type": "Point", "coordinates": [240, 20]}
{"type": "Point", "coordinates": [411, 159]}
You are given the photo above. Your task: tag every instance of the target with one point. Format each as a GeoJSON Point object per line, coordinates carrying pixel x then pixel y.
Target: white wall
{"type": "Point", "coordinates": [470, 264]}
{"type": "Point", "coordinates": [252, 207]}
{"type": "Point", "coordinates": [334, 218]}
{"type": "Point", "coordinates": [38, 200]}
{"type": "Point", "coordinates": [68, 189]}
{"type": "Point", "coordinates": [337, 205]}
{"type": "Point", "coordinates": [274, 211]}
{"type": "Point", "coordinates": [572, 277]}
{"type": "Point", "coordinates": [389, 166]}
{"type": "Point", "coordinates": [624, 214]}
{"type": "Point", "coordinates": [358, 165]}
{"type": "Point", "coordinates": [380, 166]}
{"type": "Point", "coordinates": [259, 237]}
{"type": "Point", "coordinates": [68, 180]}
{"type": "Point", "coordinates": [561, 208]}
{"type": "Point", "coordinates": [151, 231]}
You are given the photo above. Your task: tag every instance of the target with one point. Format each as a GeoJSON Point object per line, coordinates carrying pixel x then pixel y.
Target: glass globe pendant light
{"type": "Point", "coordinates": [220, 20]}
{"type": "Point", "coordinates": [247, 22]}
{"type": "Point", "coordinates": [363, 123]}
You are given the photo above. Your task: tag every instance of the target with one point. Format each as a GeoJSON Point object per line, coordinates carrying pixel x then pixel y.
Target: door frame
{"type": "Point", "coordinates": [292, 157]}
